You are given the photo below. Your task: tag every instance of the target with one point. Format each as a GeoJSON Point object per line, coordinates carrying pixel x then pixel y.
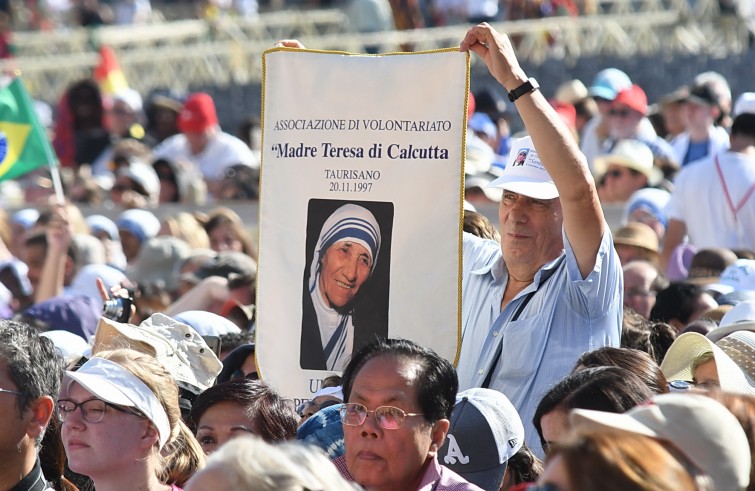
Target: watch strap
{"type": "Point", "coordinates": [530, 85]}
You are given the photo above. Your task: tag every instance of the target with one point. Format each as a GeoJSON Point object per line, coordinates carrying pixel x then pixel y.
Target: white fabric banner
{"type": "Point", "coordinates": [361, 197]}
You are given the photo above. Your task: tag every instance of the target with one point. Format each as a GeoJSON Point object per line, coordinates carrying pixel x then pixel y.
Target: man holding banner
{"type": "Point", "coordinates": [552, 289]}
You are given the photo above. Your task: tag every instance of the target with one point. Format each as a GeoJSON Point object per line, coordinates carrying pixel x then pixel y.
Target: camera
{"type": "Point", "coordinates": [118, 309]}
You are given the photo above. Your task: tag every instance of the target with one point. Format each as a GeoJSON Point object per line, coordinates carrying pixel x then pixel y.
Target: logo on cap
{"type": "Point", "coordinates": [521, 157]}
{"type": "Point", "coordinates": [512, 442]}
{"type": "Point", "coordinates": [454, 452]}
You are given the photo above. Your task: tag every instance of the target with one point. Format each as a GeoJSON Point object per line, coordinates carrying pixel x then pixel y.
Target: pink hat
{"type": "Point", "coordinates": [198, 114]}
{"type": "Point", "coordinates": [633, 97]}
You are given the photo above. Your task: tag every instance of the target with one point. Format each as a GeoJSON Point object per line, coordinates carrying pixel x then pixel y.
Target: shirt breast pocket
{"type": "Point", "coordinates": [523, 346]}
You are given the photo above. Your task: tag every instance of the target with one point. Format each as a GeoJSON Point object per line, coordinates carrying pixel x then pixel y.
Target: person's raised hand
{"type": "Point", "coordinates": [59, 230]}
{"type": "Point", "coordinates": [496, 51]}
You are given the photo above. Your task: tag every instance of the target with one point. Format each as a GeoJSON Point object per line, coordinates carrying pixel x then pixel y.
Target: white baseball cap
{"type": "Point", "coordinates": [113, 383]}
{"type": "Point", "coordinates": [736, 277]}
{"type": "Point", "coordinates": [699, 427]}
{"type": "Point", "coordinates": [740, 318]}
{"type": "Point", "coordinates": [524, 174]}
{"type": "Point", "coordinates": [745, 104]}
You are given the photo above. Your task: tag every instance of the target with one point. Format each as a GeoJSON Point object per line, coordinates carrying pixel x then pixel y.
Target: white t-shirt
{"type": "Point", "coordinates": [699, 200]}
{"type": "Point", "coordinates": [222, 151]}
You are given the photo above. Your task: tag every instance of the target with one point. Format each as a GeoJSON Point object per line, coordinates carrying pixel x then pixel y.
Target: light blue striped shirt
{"type": "Point", "coordinates": [567, 316]}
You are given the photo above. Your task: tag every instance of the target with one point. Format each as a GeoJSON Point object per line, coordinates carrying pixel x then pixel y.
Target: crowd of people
{"type": "Point", "coordinates": [590, 359]}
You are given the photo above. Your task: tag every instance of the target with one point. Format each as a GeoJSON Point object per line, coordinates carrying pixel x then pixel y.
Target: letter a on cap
{"type": "Point", "coordinates": [454, 452]}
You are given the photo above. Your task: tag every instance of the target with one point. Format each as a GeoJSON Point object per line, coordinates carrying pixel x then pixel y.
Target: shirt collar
{"type": "Point", "coordinates": [498, 268]}
{"type": "Point", "coordinates": [33, 481]}
{"type": "Point", "coordinates": [431, 474]}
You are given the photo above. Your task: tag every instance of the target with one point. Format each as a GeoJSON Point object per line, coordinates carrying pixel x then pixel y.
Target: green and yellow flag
{"type": "Point", "coordinates": [23, 142]}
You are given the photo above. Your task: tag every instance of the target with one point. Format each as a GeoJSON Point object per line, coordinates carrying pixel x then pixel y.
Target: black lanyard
{"type": "Point", "coordinates": [499, 350]}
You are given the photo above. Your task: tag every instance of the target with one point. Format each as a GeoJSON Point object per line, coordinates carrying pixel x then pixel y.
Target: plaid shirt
{"type": "Point", "coordinates": [435, 478]}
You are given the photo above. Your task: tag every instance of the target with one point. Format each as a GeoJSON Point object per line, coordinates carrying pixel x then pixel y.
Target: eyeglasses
{"type": "Point", "coordinates": [92, 410]}
{"type": "Point", "coordinates": [387, 417]}
{"type": "Point", "coordinates": [8, 391]}
{"type": "Point", "coordinates": [639, 292]}
{"type": "Point", "coordinates": [616, 173]}
{"type": "Point", "coordinates": [622, 113]}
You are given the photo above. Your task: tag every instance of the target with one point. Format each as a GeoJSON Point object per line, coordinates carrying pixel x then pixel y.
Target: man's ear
{"type": "Point", "coordinates": [40, 411]}
{"type": "Point", "coordinates": [440, 428]}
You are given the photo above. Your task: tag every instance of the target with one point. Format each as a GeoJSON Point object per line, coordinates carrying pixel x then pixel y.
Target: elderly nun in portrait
{"type": "Point", "coordinates": [344, 259]}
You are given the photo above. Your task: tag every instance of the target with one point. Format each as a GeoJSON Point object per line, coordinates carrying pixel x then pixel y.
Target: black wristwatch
{"type": "Point", "coordinates": [530, 85]}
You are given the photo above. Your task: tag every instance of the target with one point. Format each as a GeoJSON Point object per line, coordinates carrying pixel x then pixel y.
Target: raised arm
{"type": "Point", "coordinates": [59, 236]}
{"type": "Point", "coordinates": [558, 151]}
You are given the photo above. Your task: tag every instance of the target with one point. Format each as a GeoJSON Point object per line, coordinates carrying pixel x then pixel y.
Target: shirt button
{"type": "Point", "coordinates": [481, 372]}
{"type": "Point", "coordinates": [495, 333]}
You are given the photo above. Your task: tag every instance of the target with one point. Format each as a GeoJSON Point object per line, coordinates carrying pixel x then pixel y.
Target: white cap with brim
{"type": "Point", "coordinates": [524, 174]}
{"type": "Point", "coordinates": [699, 427]}
{"type": "Point", "coordinates": [113, 383]}
{"type": "Point", "coordinates": [740, 318]}
{"type": "Point", "coordinates": [736, 277]}
{"type": "Point", "coordinates": [632, 154]}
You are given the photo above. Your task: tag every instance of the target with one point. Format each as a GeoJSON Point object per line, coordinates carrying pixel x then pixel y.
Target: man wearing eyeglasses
{"type": "Point", "coordinates": [400, 397]}
{"type": "Point", "coordinates": [30, 374]}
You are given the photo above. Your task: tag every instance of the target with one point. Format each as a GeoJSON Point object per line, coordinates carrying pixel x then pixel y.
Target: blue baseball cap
{"type": "Point", "coordinates": [608, 83]}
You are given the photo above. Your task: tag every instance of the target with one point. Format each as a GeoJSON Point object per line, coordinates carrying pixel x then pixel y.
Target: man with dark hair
{"type": "Point", "coordinates": [680, 304]}
{"type": "Point", "coordinates": [30, 375]}
{"type": "Point", "coordinates": [399, 401]}
{"type": "Point", "coordinates": [727, 180]}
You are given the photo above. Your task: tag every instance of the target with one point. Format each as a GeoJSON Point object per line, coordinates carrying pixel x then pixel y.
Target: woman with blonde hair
{"type": "Point", "coordinates": [185, 226]}
{"type": "Point", "coordinates": [615, 461]}
{"type": "Point", "coordinates": [227, 233]}
{"type": "Point", "coordinates": [122, 427]}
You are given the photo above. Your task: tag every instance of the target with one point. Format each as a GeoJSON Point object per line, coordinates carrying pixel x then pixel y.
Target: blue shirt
{"type": "Point", "coordinates": [565, 317]}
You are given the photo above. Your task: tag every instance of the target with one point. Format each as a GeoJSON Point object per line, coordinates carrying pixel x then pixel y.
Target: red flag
{"type": "Point", "coordinates": [108, 73]}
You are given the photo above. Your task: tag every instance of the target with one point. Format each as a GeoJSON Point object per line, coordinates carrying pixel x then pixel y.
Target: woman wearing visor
{"type": "Point", "coordinates": [121, 424]}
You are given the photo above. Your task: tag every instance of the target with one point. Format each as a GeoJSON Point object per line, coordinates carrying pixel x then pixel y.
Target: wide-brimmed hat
{"type": "Point", "coordinates": [740, 346]}
{"type": "Point", "coordinates": [638, 235]}
{"type": "Point", "coordinates": [699, 427]}
{"type": "Point", "coordinates": [176, 345]}
{"type": "Point", "coordinates": [524, 174]}
{"type": "Point", "coordinates": [632, 154]}
{"type": "Point", "coordinates": [159, 261]}
{"type": "Point", "coordinates": [677, 364]}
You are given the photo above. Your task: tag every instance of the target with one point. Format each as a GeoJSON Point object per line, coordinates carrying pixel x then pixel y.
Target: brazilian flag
{"type": "Point", "coordinates": [23, 142]}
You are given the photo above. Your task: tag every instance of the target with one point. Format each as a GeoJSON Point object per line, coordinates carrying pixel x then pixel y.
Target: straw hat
{"type": "Point", "coordinates": [638, 235]}
{"type": "Point", "coordinates": [677, 364]}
